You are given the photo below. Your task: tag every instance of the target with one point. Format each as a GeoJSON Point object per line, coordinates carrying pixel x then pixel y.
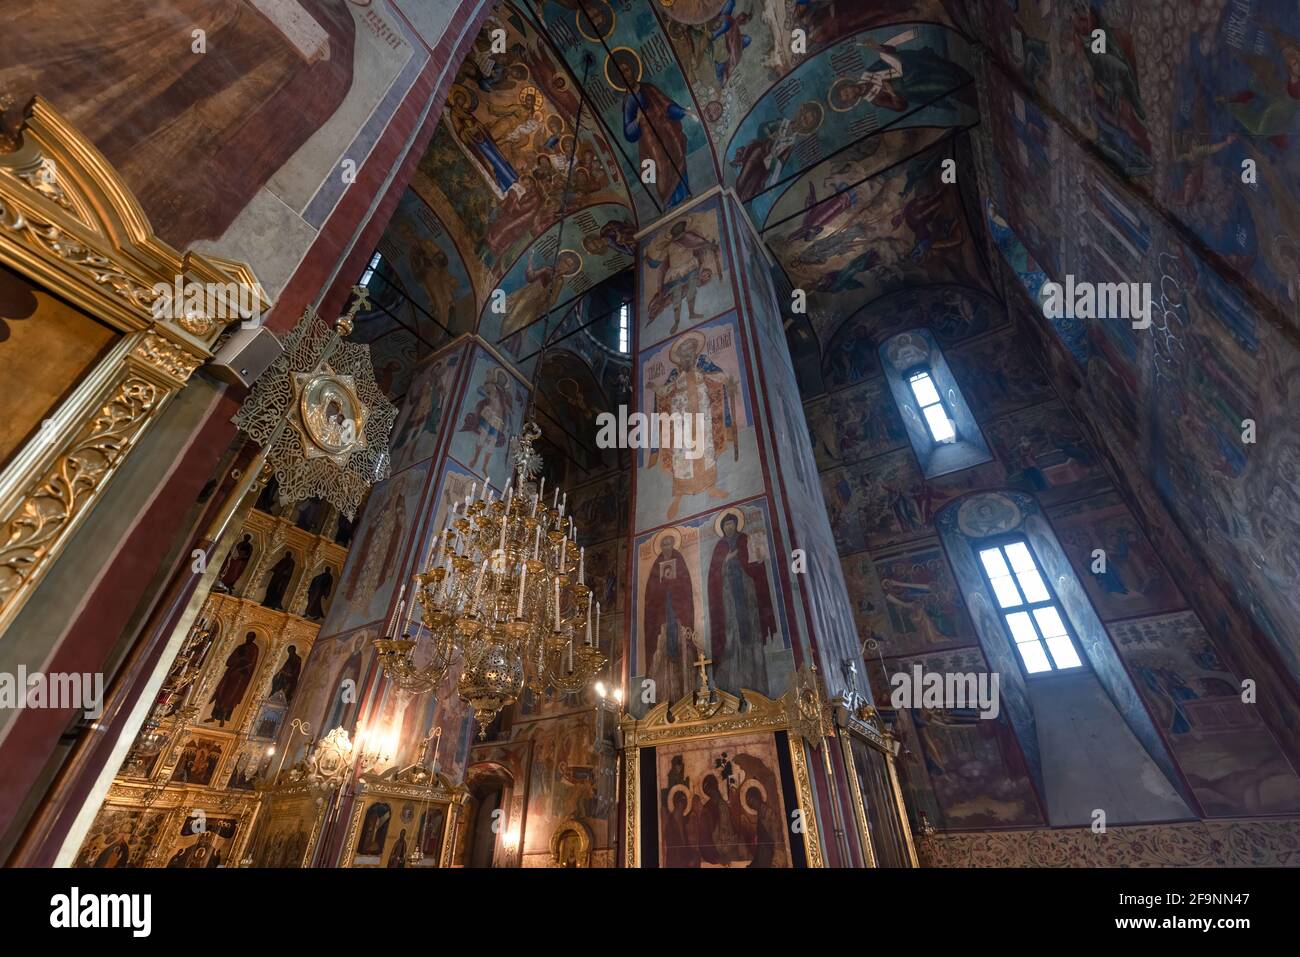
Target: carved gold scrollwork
{"type": "Point", "coordinates": [69, 224]}
{"type": "Point", "coordinates": [165, 356]}
{"type": "Point", "coordinates": [44, 178]}
{"type": "Point", "coordinates": [632, 835]}
{"type": "Point", "coordinates": [75, 253]}
{"type": "Point", "coordinates": [69, 485]}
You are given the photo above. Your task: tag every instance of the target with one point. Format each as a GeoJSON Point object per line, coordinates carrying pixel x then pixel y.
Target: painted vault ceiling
{"type": "Point", "coordinates": [532, 189]}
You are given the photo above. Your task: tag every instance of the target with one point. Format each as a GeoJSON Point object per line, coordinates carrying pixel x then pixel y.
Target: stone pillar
{"type": "Point", "coordinates": [732, 554]}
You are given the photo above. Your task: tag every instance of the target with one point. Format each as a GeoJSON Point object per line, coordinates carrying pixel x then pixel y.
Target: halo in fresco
{"type": "Point", "coordinates": [733, 513]}
{"type": "Point", "coordinates": [595, 18]}
{"type": "Point", "coordinates": [623, 68]}
{"type": "Point", "coordinates": [989, 514]}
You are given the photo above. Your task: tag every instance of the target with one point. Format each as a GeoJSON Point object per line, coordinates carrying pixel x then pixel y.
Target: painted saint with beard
{"type": "Point", "coordinates": [670, 619]}
{"type": "Point", "coordinates": [703, 390]}
{"type": "Point", "coordinates": [740, 609]}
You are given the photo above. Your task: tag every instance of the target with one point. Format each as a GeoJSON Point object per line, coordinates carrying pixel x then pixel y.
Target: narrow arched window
{"type": "Point", "coordinates": [369, 274]}
{"type": "Point", "coordinates": [939, 423]}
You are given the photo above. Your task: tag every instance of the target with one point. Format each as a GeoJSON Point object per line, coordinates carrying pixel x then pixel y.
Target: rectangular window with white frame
{"type": "Point", "coordinates": [1029, 609]}
{"type": "Point", "coordinates": [933, 410]}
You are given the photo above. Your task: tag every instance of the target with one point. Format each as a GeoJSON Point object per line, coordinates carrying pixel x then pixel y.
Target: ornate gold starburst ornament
{"type": "Point", "coordinates": [320, 414]}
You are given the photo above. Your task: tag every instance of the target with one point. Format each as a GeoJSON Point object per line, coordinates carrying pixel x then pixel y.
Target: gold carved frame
{"type": "Point", "coordinates": [177, 804]}
{"type": "Point", "coordinates": [411, 784]}
{"type": "Point", "coordinates": [70, 225]}
{"type": "Point", "coordinates": [579, 830]}
{"type": "Point", "coordinates": [864, 723]}
{"type": "Point", "coordinates": [289, 801]}
{"type": "Point", "coordinates": [800, 712]}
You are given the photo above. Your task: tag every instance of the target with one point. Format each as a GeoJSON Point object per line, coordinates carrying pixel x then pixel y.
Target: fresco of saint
{"type": "Point", "coordinates": [1122, 133]}
{"type": "Point", "coordinates": [740, 608]}
{"type": "Point", "coordinates": [541, 290]}
{"type": "Point", "coordinates": [416, 434]}
{"type": "Point", "coordinates": [727, 42]}
{"type": "Point", "coordinates": [697, 387]}
{"type": "Point", "coordinates": [430, 264]}
{"type": "Point", "coordinates": [900, 80]}
{"type": "Point", "coordinates": [489, 420]}
{"type": "Point", "coordinates": [378, 548]}
{"type": "Point", "coordinates": [653, 122]}
{"type": "Point", "coordinates": [683, 268]}
{"type": "Point", "coordinates": [477, 141]}
{"type": "Point", "coordinates": [759, 162]}
{"type": "Point", "coordinates": [669, 622]}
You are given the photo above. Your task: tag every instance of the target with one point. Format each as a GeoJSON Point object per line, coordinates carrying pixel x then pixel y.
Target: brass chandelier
{"type": "Point", "coordinates": [503, 589]}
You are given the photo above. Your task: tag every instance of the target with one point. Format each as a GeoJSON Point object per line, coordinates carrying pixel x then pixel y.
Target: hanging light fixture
{"type": "Point", "coordinates": [503, 589]}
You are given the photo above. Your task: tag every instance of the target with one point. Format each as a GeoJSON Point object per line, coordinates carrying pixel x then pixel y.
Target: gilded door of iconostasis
{"type": "Point", "coordinates": [94, 346]}
{"type": "Point", "coordinates": [718, 781]}
{"type": "Point", "coordinates": [713, 780]}
{"type": "Point", "coordinates": [86, 285]}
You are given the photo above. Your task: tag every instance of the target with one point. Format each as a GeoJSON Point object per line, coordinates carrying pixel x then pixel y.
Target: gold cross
{"type": "Point", "coordinates": [701, 662]}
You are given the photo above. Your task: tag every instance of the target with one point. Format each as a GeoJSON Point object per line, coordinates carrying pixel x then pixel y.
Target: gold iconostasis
{"type": "Point", "coordinates": [186, 794]}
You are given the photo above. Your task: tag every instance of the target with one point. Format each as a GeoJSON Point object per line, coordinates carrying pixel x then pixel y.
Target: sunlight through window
{"type": "Point", "coordinates": [932, 407]}
{"type": "Point", "coordinates": [1031, 613]}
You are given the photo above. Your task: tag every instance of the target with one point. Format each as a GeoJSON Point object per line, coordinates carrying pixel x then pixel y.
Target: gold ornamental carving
{"type": "Point", "coordinates": [71, 227]}
{"type": "Point", "coordinates": [70, 485]}
{"type": "Point", "coordinates": [632, 808]}
{"type": "Point", "coordinates": [415, 784]}
{"type": "Point", "coordinates": [571, 845]}
{"type": "Point", "coordinates": [808, 711]}
{"type": "Point", "coordinates": [166, 356]}
{"type": "Point", "coordinates": [71, 251]}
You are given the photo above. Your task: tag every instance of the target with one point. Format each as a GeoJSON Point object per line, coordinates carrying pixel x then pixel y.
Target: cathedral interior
{"type": "Point", "coordinates": [920, 375]}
